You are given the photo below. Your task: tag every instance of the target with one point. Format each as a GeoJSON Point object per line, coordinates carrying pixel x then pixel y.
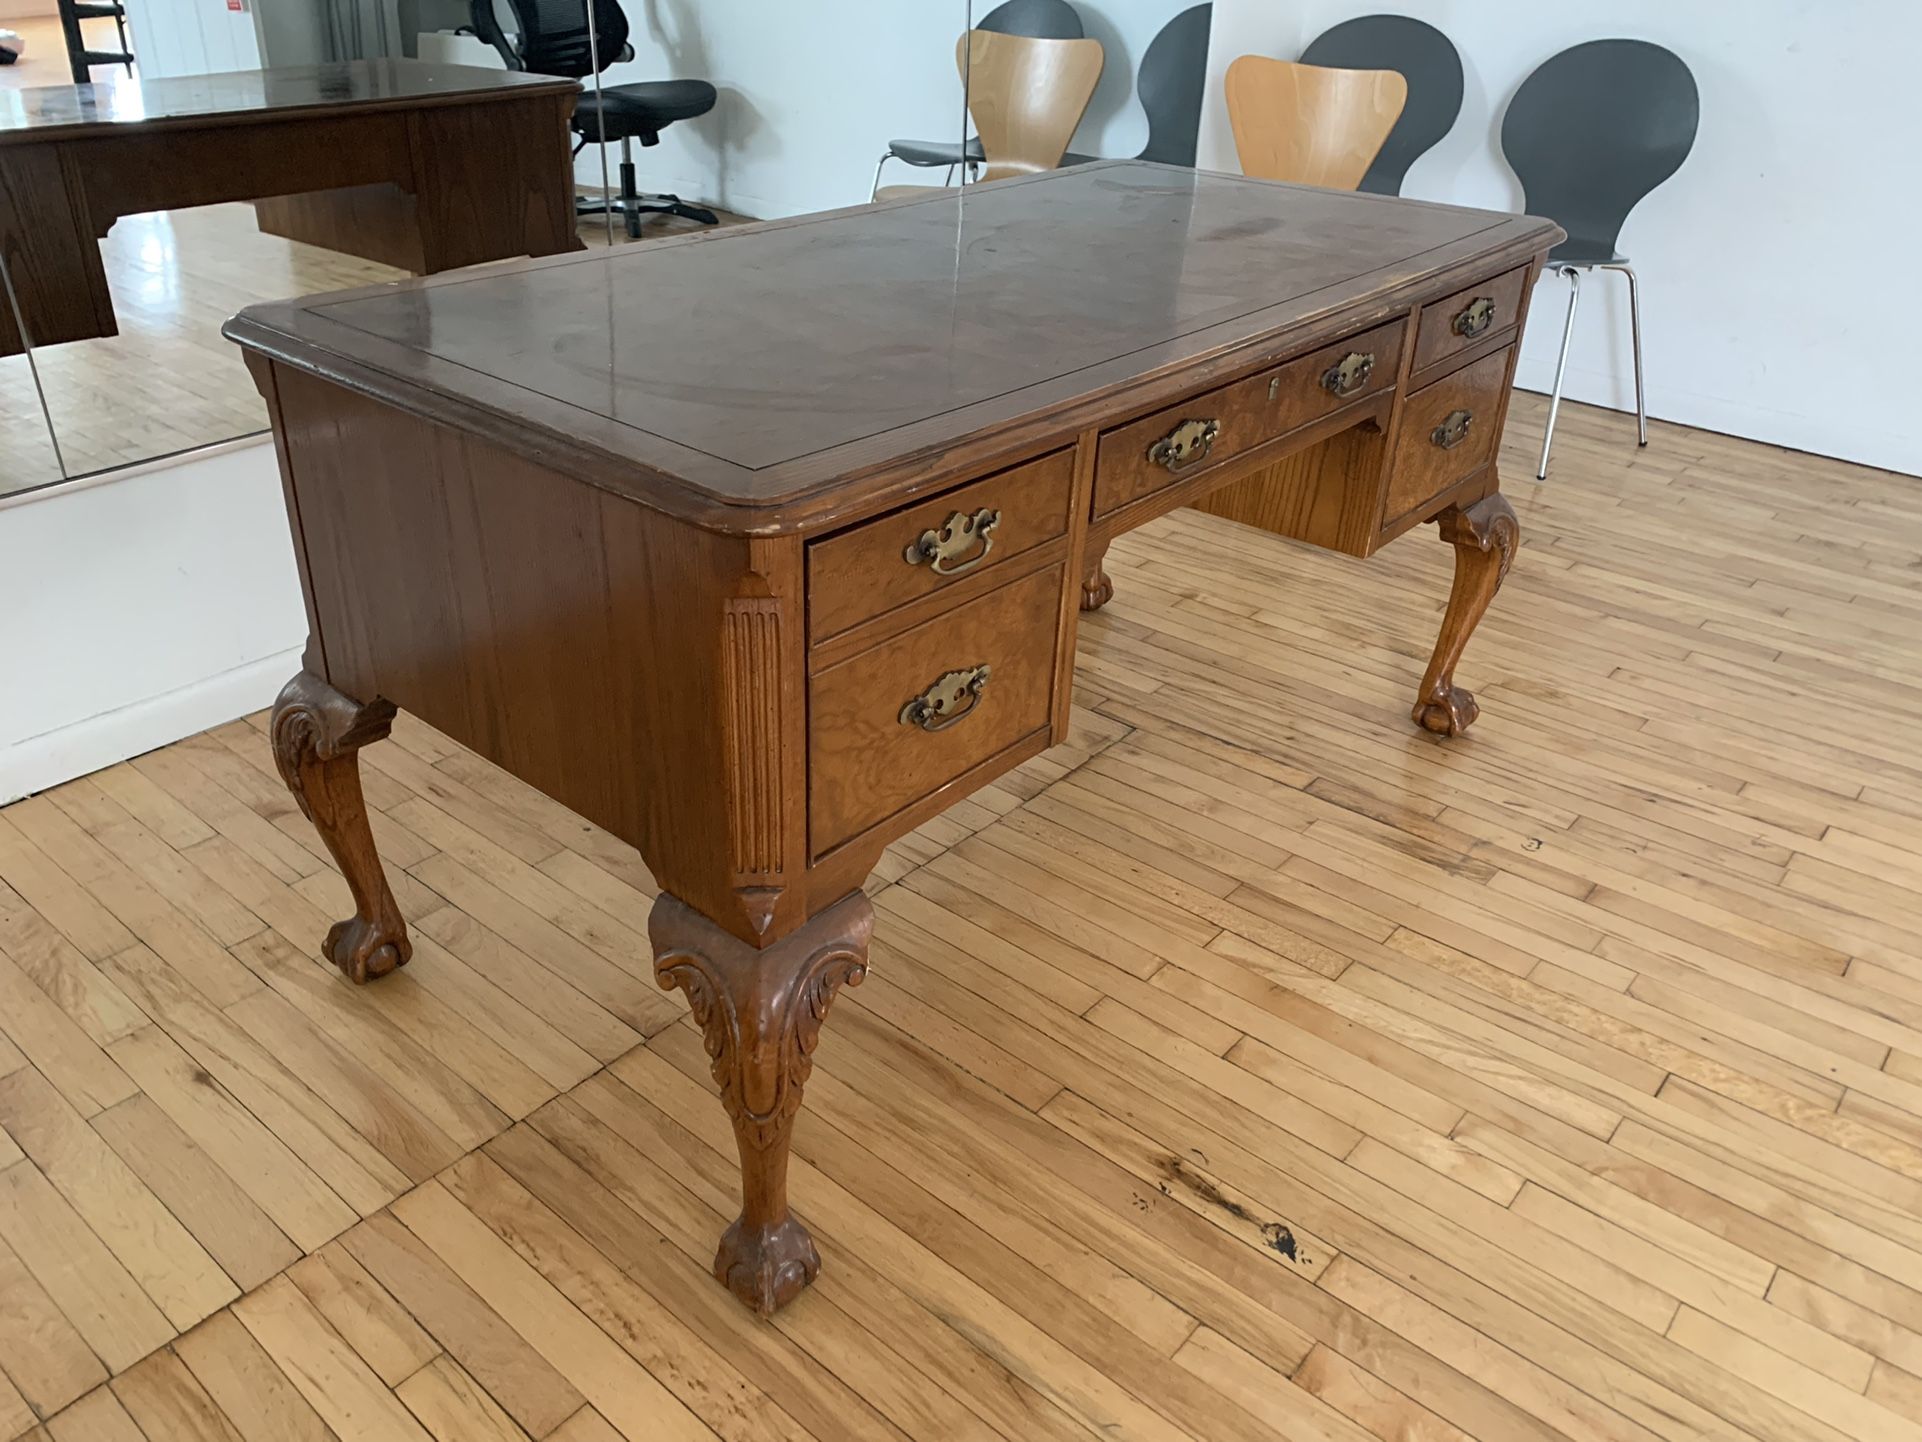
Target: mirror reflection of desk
{"type": "Point", "coordinates": [421, 167]}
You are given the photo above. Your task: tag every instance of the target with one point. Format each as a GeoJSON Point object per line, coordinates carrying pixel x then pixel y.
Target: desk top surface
{"type": "Point", "coordinates": [792, 368]}
{"type": "Point", "coordinates": [39, 113]}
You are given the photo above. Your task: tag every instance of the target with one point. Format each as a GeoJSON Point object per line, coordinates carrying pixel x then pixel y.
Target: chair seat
{"type": "Point", "coordinates": [642, 109]}
{"type": "Point", "coordinates": [1577, 251]}
{"type": "Point", "coordinates": [935, 152]}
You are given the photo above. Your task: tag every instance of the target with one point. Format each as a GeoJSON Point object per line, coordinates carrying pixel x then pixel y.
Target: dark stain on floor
{"type": "Point", "coordinates": [1275, 1234]}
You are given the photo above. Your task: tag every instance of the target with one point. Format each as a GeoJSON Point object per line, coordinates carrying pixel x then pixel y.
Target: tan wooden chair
{"type": "Point", "coordinates": [1308, 123]}
{"type": "Point", "coordinates": [1027, 97]}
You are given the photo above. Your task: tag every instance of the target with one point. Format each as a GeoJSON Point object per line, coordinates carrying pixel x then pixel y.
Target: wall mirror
{"type": "Point", "coordinates": [690, 115]}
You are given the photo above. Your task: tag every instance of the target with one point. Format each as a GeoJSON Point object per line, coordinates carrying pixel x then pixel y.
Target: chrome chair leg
{"type": "Point", "coordinates": [1635, 330]}
{"type": "Point", "coordinates": [1561, 366]}
{"type": "Point", "coordinates": [875, 189]}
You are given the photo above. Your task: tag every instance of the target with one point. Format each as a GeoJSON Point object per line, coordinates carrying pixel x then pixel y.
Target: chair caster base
{"type": "Point", "coordinates": [632, 208]}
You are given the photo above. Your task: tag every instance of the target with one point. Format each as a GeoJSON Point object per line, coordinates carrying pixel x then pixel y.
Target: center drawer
{"type": "Point", "coordinates": [1196, 436]}
{"type": "Point", "coordinates": [897, 723]}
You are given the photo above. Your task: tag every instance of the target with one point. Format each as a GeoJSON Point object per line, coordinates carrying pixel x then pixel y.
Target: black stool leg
{"type": "Point", "coordinates": [630, 197]}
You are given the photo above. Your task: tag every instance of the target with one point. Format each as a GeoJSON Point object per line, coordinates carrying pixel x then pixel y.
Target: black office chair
{"type": "Point", "coordinates": [554, 40]}
{"type": "Point", "coordinates": [81, 60]}
{"type": "Point", "coordinates": [1590, 133]}
{"type": "Point", "coordinates": [1425, 58]}
{"type": "Point", "coordinates": [1035, 19]}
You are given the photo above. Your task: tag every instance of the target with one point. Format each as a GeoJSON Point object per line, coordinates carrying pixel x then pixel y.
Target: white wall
{"type": "Point", "coordinates": [1774, 263]}
{"type": "Point", "coordinates": [191, 37]}
{"type": "Point", "coordinates": [810, 94]}
{"type": "Point", "coordinates": [141, 607]}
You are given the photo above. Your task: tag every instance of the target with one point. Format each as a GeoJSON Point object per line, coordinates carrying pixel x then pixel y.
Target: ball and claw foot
{"type": "Point", "coordinates": [1450, 714]}
{"type": "Point", "coordinates": [767, 1269]}
{"type": "Point", "coordinates": [1096, 591]}
{"type": "Point", "coordinates": [365, 950]}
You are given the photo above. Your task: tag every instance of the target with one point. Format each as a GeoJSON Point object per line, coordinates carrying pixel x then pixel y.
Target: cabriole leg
{"type": "Point", "coordinates": [1096, 589]}
{"type": "Point", "coordinates": [317, 735]}
{"type": "Point", "coordinates": [1484, 536]}
{"type": "Point", "coordinates": [761, 1013]}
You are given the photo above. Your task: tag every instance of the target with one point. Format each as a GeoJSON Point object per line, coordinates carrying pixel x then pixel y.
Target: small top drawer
{"type": "Point", "coordinates": [1185, 440]}
{"type": "Point", "coordinates": [868, 571]}
{"type": "Point", "coordinates": [1457, 322]}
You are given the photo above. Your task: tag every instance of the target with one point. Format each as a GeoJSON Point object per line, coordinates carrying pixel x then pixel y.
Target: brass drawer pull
{"type": "Point", "coordinates": [1349, 374]}
{"type": "Point", "coordinates": [948, 702]}
{"type": "Point", "coordinates": [1452, 431]}
{"type": "Point", "coordinates": [1479, 316]}
{"type": "Point", "coordinates": [939, 546]}
{"type": "Point", "coordinates": [1186, 445]}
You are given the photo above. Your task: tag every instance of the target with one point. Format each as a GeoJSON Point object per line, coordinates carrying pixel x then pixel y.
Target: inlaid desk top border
{"type": "Point", "coordinates": [846, 482]}
{"type": "Point", "coordinates": [40, 114]}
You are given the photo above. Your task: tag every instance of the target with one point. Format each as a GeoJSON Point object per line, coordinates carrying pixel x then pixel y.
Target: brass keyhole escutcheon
{"type": "Point", "coordinates": [1452, 431]}
{"type": "Point", "coordinates": [949, 701]}
{"type": "Point", "coordinates": [941, 546]}
{"type": "Point", "coordinates": [1349, 374]}
{"type": "Point", "coordinates": [1479, 316]}
{"type": "Point", "coordinates": [1186, 445]}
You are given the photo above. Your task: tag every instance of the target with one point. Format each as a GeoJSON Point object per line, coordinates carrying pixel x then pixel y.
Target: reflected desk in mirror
{"type": "Point", "coordinates": [423, 167]}
{"type": "Point", "coordinates": [760, 548]}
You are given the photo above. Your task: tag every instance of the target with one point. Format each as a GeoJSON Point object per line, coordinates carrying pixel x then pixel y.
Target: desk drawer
{"type": "Point", "coordinates": [1451, 325]}
{"type": "Point", "coordinates": [899, 722]}
{"type": "Point", "coordinates": [868, 571]}
{"type": "Point", "coordinates": [1447, 430]}
{"type": "Point", "coordinates": [1189, 439]}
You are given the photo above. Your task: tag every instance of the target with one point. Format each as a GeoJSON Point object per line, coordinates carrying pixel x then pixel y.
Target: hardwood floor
{"type": "Point", "coordinates": [1256, 1066]}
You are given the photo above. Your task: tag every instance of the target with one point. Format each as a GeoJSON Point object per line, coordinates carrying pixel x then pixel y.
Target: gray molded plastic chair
{"type": "Point", "coordinates": [1590, 133]}
{"type": "Point", "coordinates": [1172, 85]}
{"type": "Point", "coordinates": [1425, 58]}
{"type": "Point", "coordinates": [1035, 19]}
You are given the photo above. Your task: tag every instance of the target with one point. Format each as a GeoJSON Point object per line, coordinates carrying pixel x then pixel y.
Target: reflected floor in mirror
{"type": "Point", "coordinates": [1254, 1066]}
{"type": "Point", "coordinates": [169, 381]}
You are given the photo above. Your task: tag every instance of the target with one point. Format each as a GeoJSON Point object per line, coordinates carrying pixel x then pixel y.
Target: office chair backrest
{"type": "Point", "coordinates": [1036, 19]}
{"type": "Point", "coordinates": [554, 37]}
{"type": "Point", "coordinates": [1309, 124]}
{"type": "Point", "coordinates": [1595, 129]}
{"type": "Point", "coordinates": [1421, 55]}
{"type": "Point", "coordinates": [1172, 84]}
{"type": "Point", "coordinates": [1026, 96]}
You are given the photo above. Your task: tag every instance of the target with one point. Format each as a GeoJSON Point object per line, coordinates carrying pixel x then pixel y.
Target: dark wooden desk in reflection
{"type": "Point", "coordinates": [761, 547]}
{"type": "Point", "coordinates": [422, 167]}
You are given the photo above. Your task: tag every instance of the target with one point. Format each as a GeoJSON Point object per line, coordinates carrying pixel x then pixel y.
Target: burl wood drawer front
{"type": "Point", "coordinates": [1447, 430]}
{"type": "Point", "coordinates": [868, 571]}
{"type": "Point", "coordinates": [1186, 440]}
{"type": "Point", "coordinates": [1453, 324]}
{"type": "Point", "coordinates": [891, 725]}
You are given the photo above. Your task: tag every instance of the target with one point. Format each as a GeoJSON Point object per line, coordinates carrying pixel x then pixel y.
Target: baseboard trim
{"type": "Point", "coordinates": [99, 741]}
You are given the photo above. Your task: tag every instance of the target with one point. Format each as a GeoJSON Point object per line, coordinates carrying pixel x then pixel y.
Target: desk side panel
{"type": "Point", "coordinates": [592, 648]}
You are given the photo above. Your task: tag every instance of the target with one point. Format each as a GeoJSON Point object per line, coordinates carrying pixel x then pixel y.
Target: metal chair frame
{"type": "Point", "coordinates": [1574, 273]}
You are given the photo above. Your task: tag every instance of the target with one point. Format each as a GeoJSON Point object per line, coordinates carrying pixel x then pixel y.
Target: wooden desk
{"type": "Point", "coordinates": [761, 547]}
{"type": "Point", "coordinates": [423, 167]}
